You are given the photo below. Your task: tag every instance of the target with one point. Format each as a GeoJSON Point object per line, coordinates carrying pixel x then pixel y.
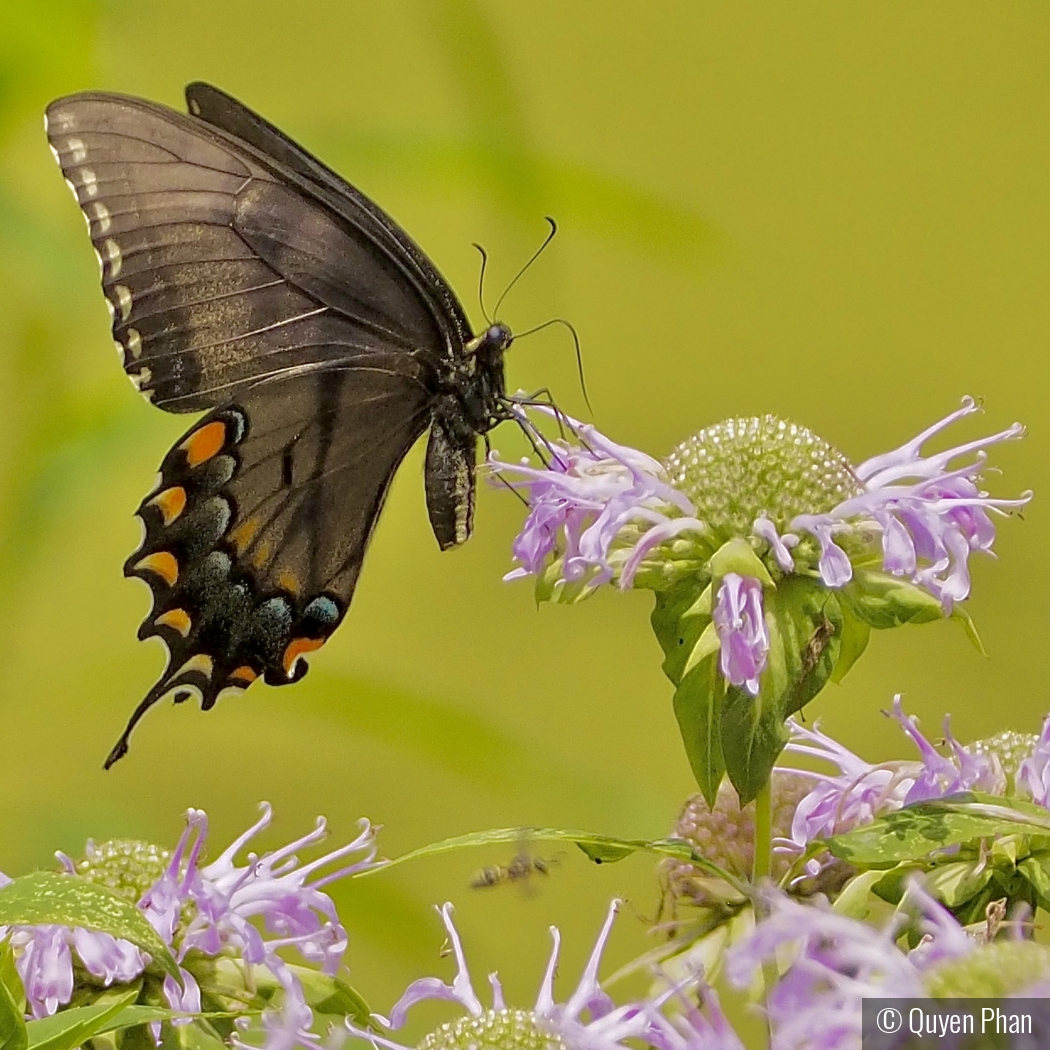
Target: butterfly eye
{"type": "Point", "coordinates": [497, 338]}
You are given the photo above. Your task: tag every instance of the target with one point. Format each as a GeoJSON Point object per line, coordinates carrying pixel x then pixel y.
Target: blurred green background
{"type": "Point", "coordinates": [838, 213]}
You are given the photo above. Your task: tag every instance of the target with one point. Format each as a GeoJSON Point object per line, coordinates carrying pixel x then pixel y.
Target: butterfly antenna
{"type": "Point", "coordinates": [579, 354]}
{"type": "Point", "coordinates": [535, 255]}
{"type": "Point", "coordinates": [481, 281]}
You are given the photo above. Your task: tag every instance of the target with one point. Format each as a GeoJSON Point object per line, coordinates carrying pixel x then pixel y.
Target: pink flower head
{"type": "Point", "coordinates": [929, 509]}
{"type": "Point", "coordinates": [605, 509]}
{"type": "Point", "coordinates": [581, 504]}
{"type": "Point", "coordinates": [255, 910]}
{"type": "Point", "coordinates": [834, 963]}
{"type": "Point", "coordinates": [860, 791]}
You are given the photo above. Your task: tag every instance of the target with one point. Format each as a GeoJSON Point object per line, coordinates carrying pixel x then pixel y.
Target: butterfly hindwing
{"type": "Point", "coordinates": [256, 534]}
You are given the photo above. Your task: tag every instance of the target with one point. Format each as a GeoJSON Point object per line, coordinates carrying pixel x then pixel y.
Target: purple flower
{"type": "Point", "coordinates": [861, 791]}
{"type": "Point", "coordinates": [587, 1020]}
{"type": "Point", "coordinates": [602, 512]}
{"type": "Point", "coordinates": [692, 1027]}
{"type": "Point", "coordinates": [44, 960]}
{"type": "Point", "coordinates": [599, 506]}
{"type": "Point", "coordinates": [940, 776]}
{"type": "Point", "coordinates": [253, 911]}
{"type": "Point", "coordinates": [930, 512]}
{"type": "Point", "coordinates": [741, 627]}
{"type": "Point", "coordinates": [834, 962]}
{"type": "Point", "coordinates": [275, 889]}
{"type": "Point", "coordinates": [45, 966]}
{"type": "Point", "coordinates": [1033, 774]}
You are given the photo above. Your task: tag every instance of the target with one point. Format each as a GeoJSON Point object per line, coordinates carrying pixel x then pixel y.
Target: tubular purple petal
{"type": "Point", "coordinates": [581, 504]}
{"type": "Point", "coordinates": [106, 957]}
{"type": "Point", "coordinates": [779, 545]}
{"type": "Point", "coordinates": [1033, 774]}
{"type": "Point", "coordinates": [741, 626]}
{"type": "Point", "coordinates": [45, 966]}
{"type": "Point", "coordinates": [834, 962]}
{"type": "Point", "coordinates": [834, 564]}
{"type": "Point", "coordinates": [588, 1020]}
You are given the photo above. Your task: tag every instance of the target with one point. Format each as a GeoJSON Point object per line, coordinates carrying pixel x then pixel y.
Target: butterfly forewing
{"type": "Point", "coordinates": [230, 116]}
{"type": "Point", "coordinates": [217, 273]}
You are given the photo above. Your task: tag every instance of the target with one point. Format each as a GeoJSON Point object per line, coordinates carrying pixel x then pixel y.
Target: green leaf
{"type": "Point", "coordinates": [197, 1036]}
{"type": "Point", "coordinates": [703, 605]}
{"type": "Point", "coordinates": [853, 901]}
{"type": "Point", "coordinates": [115, 1014]}
{"type": "Point", "coordinates": [958, 881]}
{"type": "Point", "coordinates": [68, 900]}
{"type": "Point", "coordinates": [853, 640]}
{"type": "Point", "coordinates": [605, 852]}
{"type": "Point", "coordinates": [600, 848]}
{"type": "Point", "coordinates": [679, 624]}
{"type": "Point", "coordinates": [963, 617]}
{"type": "Point", "coordinates": [10, 977]}
{"type": "Point", "coordinates": [912, 833]}
{"type": "Point", "coordinates": [1036, 869]}
{"type": "Point", "coordinates": [707, 645]}
{"type": "Point", "coordinates": [884, 601]}
{"type": "Point", "coordinates": [13, 1034]}
{"type": "Point", "coordinates": [698, 703]}
{"type": "Point", "coordinates": [72, 1028]}
{"type": "Point", "coordinates": [329, 995]}
{"type": "Point", "coordinates": [737, 555]}
{"type": "Point", "coordinates": [809, 621]}
{"type": "Point", "coordinates": [753, 735]}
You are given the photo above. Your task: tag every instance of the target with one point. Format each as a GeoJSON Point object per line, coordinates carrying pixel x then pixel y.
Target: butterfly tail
{"type": "Point", "coordinates": [120, 748]}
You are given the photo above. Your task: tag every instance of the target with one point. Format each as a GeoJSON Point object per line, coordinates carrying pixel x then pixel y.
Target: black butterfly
{"type": "Point", "coordinates": [247, 279]}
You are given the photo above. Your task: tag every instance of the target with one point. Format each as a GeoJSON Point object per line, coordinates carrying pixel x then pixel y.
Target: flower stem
{"type": "Point", "coordinates": [761, 868]}
{"type": "Point", "coordinates": [763, 833]}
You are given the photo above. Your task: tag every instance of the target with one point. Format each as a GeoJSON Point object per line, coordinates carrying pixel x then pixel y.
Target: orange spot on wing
{"type": "Point", "coordinates": [171, 503]}
{"type": "Point", "coordinates": [244, 533]}
{"type": "Point", "coordinates": [177, 619]}
{"type": "Point", "coordinates": [204, 443]}
{"type": "Point", "coordinates": [296, 648]}
{"type": "Point", "coordinates": [243, 675]}
{"type": "Point", "coordinates": [289, 581]}
{"type": "Point", "coordinates": [163, 564]}
{"type": "Point", "coordinates": [262, 555]}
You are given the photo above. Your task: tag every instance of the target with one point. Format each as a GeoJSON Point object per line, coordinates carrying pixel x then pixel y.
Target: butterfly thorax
{"type": "Point", "coordinates": [473, 390]}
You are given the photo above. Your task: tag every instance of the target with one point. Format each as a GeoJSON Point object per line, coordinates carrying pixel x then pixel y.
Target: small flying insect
{"type": "Point", "coordinates": [520, 869]}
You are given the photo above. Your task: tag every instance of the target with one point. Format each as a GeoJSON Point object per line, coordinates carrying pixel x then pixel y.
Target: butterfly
{"type": "Point", "coordinates": [248, 280]}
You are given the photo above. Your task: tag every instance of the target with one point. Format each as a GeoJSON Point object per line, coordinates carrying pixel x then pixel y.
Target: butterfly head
{"type": "Point", "coordinates": [491, 343]}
